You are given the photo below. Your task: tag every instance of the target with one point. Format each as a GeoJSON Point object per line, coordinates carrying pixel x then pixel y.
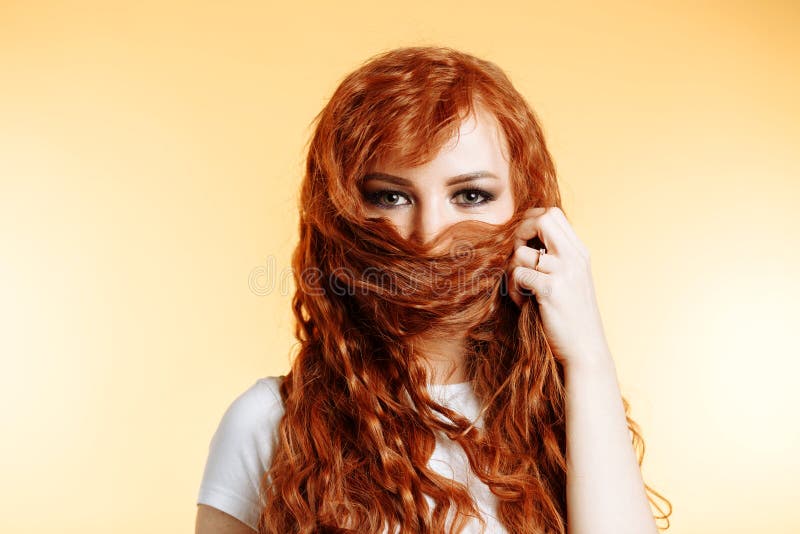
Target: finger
{"type": "Point", "coordinates": [508, 279]}
{"type": "Point", "coordinates": [533, 259]}
{"type": "Point", "coordinates": [543, 226]}
{"type": "Point", "coordinates": [536, 282]}
{"type": "Point", "coordinates": [510, 282]}
{"type": "Point", "coordinates": [569, 231]}
{"type": "Point", "coordinates": [513, 291]}
{"type": "Point", "coordinates": [562, 228]}
{"type": "Point", "coordinates": [517, 293]}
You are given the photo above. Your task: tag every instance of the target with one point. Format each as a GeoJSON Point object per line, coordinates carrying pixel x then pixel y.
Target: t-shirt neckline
{"type": "Point", "coordinates": [458, 386]}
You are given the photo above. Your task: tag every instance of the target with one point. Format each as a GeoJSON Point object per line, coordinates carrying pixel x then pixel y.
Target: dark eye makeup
{"type": "Point", "coordinates": [376, 197]}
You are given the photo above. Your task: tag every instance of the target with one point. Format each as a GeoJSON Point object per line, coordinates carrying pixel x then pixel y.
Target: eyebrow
{"type": "Point", "coordinates": [467, 177]}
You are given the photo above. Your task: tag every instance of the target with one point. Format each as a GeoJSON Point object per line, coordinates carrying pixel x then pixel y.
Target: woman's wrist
{"type": "Point", "coordinates": [592, 361]}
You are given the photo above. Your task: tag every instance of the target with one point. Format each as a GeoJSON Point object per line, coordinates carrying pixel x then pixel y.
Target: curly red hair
{"type": "Point", "coordinates": [359, 424]}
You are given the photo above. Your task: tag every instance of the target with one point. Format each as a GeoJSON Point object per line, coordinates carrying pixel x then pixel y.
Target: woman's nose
{"type": "Point", "coordinates": [429, 219]}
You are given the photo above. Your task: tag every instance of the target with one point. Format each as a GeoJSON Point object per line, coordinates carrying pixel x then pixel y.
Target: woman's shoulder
{"type": "Point", "coordinates": [259, 402]}
{"type": "Point", "coordinates": [241, 450]}
{"type": "Point", "coordinates": [247, 431]}
{"type": "Point", "coordinates": [267, 385]}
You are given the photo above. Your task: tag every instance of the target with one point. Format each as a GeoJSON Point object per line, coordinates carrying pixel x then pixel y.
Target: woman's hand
{"type": "Point", "coordinates": [561, 283]}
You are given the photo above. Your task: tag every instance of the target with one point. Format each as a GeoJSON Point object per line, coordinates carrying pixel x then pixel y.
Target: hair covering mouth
{"type": "Point", "coordinates": [447, 285]}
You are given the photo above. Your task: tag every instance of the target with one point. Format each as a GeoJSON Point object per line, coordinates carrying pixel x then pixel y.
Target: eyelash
{"type": "Point", "coordinates": [374, 197]}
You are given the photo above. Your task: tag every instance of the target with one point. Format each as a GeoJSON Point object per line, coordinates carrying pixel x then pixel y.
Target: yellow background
{"type": "Point", "coordinates": [150, 155]}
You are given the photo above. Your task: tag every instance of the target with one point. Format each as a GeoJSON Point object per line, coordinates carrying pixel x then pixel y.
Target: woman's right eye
{"type": "Point", "coordinates": [392, 197]}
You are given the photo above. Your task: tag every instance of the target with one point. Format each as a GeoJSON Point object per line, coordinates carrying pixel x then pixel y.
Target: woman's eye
{"type": "Point", "coordinates": [472, 196]}
{"type": "Point", "coordinates": [386, 198]}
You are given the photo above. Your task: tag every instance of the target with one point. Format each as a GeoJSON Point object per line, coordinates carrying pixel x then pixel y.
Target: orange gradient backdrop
{"type": "Point", "coordinates": [150, 156]}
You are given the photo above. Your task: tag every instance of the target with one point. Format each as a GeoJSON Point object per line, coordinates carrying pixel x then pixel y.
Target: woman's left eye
{"type": "Point", "coordinates": [471, 196]}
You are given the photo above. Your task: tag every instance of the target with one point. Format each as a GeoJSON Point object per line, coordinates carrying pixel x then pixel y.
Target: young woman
{"type": "Point", "coordinates": [452, 372]}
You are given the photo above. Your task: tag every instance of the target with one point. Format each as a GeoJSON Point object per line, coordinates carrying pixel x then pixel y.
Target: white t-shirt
{"type": "Point", "coordinates": [241, 450]}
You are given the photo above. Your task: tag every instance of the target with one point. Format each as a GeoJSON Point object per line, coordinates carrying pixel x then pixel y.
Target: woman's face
{"type": "Point", "coordinates": [468, 179]}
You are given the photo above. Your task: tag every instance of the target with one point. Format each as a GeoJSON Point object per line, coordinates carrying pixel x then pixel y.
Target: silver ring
{"type": "Point", "coordinates": [542, 252]}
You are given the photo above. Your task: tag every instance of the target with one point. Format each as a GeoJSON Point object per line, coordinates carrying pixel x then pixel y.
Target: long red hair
{"type": "Point", "coordinates": [359, 424]}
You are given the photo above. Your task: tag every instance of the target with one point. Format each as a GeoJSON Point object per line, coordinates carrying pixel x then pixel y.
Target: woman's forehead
{"type": "Point", "coordinates": [478, 136]}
